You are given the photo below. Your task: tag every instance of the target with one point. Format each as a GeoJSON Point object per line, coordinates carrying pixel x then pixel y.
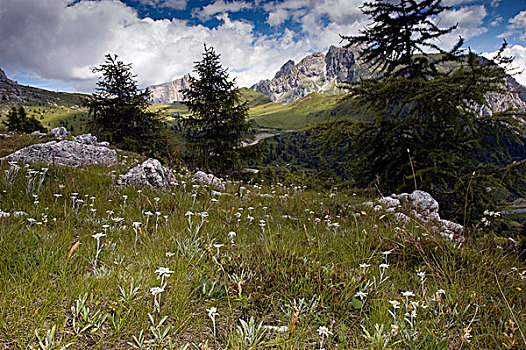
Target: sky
{"type": "Point", "coordinates": [55, 44]}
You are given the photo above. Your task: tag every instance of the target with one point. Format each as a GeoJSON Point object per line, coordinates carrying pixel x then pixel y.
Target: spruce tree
{"type": "Point", "coordinates": [218, 117]}
{"type": "Point", "coordinates": [17, 120]}
{"type": "Point", "coordinates": [428, 131]}
{"type": "Point", "coordinates": [120, 111]}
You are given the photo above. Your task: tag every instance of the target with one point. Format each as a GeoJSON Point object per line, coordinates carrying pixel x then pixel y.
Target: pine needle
{"type": "Point", "coordinates": [73, 248]}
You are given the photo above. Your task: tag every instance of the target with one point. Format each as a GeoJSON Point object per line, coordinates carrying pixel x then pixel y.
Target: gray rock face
{"type": "Point", "coordinates": [148, 173]}
{"type": "Point", "coordinates": [169, 92]}
{"type": "Point", "coordinates": [68, 153]}
{"type": "Point", "coordinates": [421, 206]}
{"type": "Point", "coordinates": [423, 203]}
{"type": "Point", "coordinates": [322, 73]}
{"type": "Point", "coordinates": [14, 93]}
{"type": "Point", "coordinates": [209, 179]}
{"type": "Point", "coordinates": [86, 139]}
{"type": "Point", "coordinates": [59, 132]}
{"type": "Point", "coordinates": [317, 72]}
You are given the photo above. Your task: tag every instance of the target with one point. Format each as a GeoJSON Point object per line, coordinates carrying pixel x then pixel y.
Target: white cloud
{"type": "Point", "coordinates": [470, 20]}
{"type": "Point", "coordinates": [174, 4]}
{"type": "Point", "coordinates": [519, 63]}
{"type": "Point", "coordinates": [221, 6]}
{"type": "Point", "coordinates": [517, 25]}
{"type": "Point", "coordinates": [49, 40]}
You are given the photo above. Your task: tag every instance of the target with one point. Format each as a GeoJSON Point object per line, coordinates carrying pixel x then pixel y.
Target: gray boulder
{"type": "Point", "coordinates": [69, 153]}
{"type": "Point", "coordinates": [59, 133]}
{"type": "Point", "coordinates": [424, 204]}
{"type": "Point", "coordinates": [148, 173]}
{"type": "Point", "coordinates": [209, 179]}
{"type": "Point", "coordinates": [86, 139]}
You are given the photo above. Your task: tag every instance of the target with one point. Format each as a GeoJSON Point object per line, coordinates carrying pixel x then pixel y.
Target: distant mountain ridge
{"type": "Point", "coordinates": [169, 92]}
{"type": "Point", "coordinates": [12, 93]}
{"type": "Point", "coordinates": [318, 72]}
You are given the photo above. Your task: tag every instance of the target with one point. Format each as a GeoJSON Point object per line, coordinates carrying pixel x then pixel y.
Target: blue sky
{"type": "Point", "coordinates": [54, 44]}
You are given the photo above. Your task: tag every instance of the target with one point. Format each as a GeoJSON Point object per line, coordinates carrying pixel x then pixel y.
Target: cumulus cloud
{"type": "Point", "coordinates": [470, 20]}
{"type": "Point", "coordinates": [516, 26]}
{"type": "Point", "coordinates": [221, 6]}
{"type": "Point", "coordinates": [64, 39]}
{"type": "Point", "coordinates": [519, 62]}
{"type": "Point", "coordinates": [50, 40]}
{"type": "Point", "coordinates": [173, 4]}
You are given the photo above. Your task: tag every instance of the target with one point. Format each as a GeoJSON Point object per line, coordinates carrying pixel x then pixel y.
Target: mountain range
{"type": "Point", "coordinates": [322, 73]}
{"type": "Point", "coordinates": [12, 93]}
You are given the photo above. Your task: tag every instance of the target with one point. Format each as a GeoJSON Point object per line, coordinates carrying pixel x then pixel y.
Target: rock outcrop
{"type": "Point", "coordinates": [69, 153]}
{"type": "Point", "coordinates": [209, 179]}
{"type": "Point", "coordinates": [421, 206]}
{"type": "Point", "coordinates": [169, 92]}
{"type": "Point", "coordinates": [59, 133]}
{"type": "Point", "coordinates": [322, 73]}
{"type": "Point", "coordinates": [317, 72]}
{"type": "Point", "coordinates": [148, 173]}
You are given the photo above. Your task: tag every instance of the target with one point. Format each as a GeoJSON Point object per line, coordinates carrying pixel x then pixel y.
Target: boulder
{"type": "Point", "coordinates": [68, 153]}
{"type": "Point", "coordinates": [86, 139]}
{"type": "Point", "coordinates": [209, 179]}
{"type": "Point", "coordinates": [148, 173]}
{"type": "Point", "coordinates": [38, 133]}
{"type": "Point", "coordinates": [59, 133]}
{"type": "Point", "coordinates": [424, 204]}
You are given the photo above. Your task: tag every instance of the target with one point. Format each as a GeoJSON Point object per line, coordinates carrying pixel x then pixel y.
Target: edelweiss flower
{"type": "Point", "coordinates": [163, 272]}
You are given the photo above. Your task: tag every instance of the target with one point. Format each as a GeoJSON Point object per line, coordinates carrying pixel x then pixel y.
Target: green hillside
{"type": "Point", "coordinates": [88, 264]}
{"type": "Point", "coordinates": [313, 108]}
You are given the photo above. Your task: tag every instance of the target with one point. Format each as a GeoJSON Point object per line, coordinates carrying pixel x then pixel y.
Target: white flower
{"type": "Point", "coordinates": [212, 312]}
{"type": "Point", "coordinates": [408, 294]}
{"type": "Point", "coordinates": [395, 304]}
{"type": "Point", "coordinates": [163, 272]}
{"type": "Point", "coordinates": [361, 295]}
{"type": "Point", "coordinates": [383, 266]}
{"type": "Point", "coordinates": [387, 252]}
{"type": "Point", "coordinates": [136, 224]}
{"type": "Point", "coordinates": [156, 290]}
{"type": "Point", "coordinates": [188, 213]}
{"type": "Point", "coordinates": [364, 265]}
{"type": "Point", "coordinates": [324, 331]}
{"type": "Point", "coordinates": [98, 235]}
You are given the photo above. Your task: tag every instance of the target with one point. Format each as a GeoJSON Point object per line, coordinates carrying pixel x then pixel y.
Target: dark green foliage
{"type": "Point", "coordinates": [120, 111]}
{"type": "Point", "coordinates": [217, 121]}
{"type": "Point", "coordinates": [17, 120]}
{"type": "Point", "coordinates": [427, 110]}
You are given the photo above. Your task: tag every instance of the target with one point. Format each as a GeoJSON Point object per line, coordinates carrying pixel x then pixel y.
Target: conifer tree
{"type": "Point", "coordinates": [17, 120]}
{"type": "Point", "coordinates": [218, 116]}
{"type": "Point", "coordinates": [120, 111]}
{"type": "Point", "coordinates": [426, 110]}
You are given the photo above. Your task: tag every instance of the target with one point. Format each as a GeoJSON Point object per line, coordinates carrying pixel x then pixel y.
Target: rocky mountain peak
{"type": "Point", "coordinates": [317, 72]}
{"type": "Point", "coordinates": [169, 92]}
{"type": "Point", "coordinates": [3, 77]}
{"type": "Point", "coordinates": [285, 69]}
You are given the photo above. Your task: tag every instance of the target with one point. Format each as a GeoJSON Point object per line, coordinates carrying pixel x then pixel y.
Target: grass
{"type": "Point", "coordinates": [313, 108]}
{"type": "Point", "coordinates": [263, 256]}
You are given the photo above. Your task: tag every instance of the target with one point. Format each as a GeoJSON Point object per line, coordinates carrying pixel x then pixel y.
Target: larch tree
{"type": "Point", "coordinates": [428, 131]}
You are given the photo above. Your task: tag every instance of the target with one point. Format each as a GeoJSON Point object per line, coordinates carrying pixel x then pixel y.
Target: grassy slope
{"type": "Point", "coordinates": [313, 108]}
{"type": "Point", "coordinates": [293, 263]}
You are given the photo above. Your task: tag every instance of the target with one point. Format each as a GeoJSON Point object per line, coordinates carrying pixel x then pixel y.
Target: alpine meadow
{"type": "Point", "coordinates": [369, 194]}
